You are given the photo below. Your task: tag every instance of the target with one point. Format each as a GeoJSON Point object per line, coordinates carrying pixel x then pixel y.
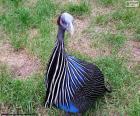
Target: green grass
{"type": "Point", "coordinates": [134, 106]}
{"type": "Point", "coordinates": [22, 18]}
{"type": "Point", "coordinates": [19, 20]}
{"type": "Point", "coordinates": [104, 40]}
{"type": "Point", "coordinates": [116, 41]}
{"type": "Point", "coordinates": [28, 95]}
{"type": "Point", "coordinates": [123, 19]}
{"type": "Point", "coordinates": [115, 71]}
{"type": "Point", "coordinates": [107, 2]}
{"type": "Point", "coordinates": [12, 3]}
{"type": "Point", "coordinates": [16, 20]}
{"type": "Point", "coordinates": [101, 19]}
{"type": "Point", "coordinates": [18, 41]}
{"type": "Point", "coordinates": [126, 18]}
{"type": "Point", "coordinates": [80, 9]}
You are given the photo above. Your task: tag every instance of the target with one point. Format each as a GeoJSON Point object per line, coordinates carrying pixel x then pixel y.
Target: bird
{"type": "Point", "coordinates": [72, 85]}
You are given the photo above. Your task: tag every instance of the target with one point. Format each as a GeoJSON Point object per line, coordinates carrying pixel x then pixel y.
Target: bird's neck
{"type": "Point", "coordinates": [60, 35]}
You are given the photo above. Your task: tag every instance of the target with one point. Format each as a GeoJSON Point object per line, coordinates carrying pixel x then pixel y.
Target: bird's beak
{"type": "Point", "coordinates": [71, 29]}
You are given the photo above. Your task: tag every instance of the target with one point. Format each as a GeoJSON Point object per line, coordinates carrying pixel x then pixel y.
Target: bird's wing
{"type": "Point", "coordinates": [87, 82]}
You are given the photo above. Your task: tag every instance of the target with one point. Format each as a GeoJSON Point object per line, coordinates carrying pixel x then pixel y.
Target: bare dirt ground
{"type": "Point", "coordinates": [32, 33]}
{"type": "Point", "coordinates": [67, 1]}
{"type": "Point", "coordinates": [20, 63]}
{"type": "Point", "coordinates": [131, 51]}
{"type": "Point", "coordinates": [30, 3]}
{"type": "Point", "coordinates": [136, 50]}
{"type": "Point", "coordinates": [80, 42]}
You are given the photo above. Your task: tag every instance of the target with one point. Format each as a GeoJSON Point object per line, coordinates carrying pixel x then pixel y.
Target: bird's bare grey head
{"type": "Point", "coordinates": [65, 20]}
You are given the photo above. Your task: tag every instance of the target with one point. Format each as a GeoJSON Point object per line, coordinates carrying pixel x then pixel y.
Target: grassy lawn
{"type": "Point", "coordinates": [20, 19]}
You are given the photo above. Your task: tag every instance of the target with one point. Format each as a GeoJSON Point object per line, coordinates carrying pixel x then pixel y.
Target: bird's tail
{"type": "Point", "coordinates": [108, 87]}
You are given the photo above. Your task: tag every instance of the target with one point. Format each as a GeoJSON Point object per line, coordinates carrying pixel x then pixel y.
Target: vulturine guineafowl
{"type": "Point", "coordinates": [72, 85]}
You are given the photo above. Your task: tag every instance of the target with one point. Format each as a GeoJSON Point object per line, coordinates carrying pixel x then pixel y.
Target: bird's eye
{"type": "Point", "coordinates": [64, 22]}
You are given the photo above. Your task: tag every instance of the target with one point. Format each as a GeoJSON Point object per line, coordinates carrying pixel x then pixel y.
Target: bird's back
{"type": "Point", "coordinates": [93, 88]}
